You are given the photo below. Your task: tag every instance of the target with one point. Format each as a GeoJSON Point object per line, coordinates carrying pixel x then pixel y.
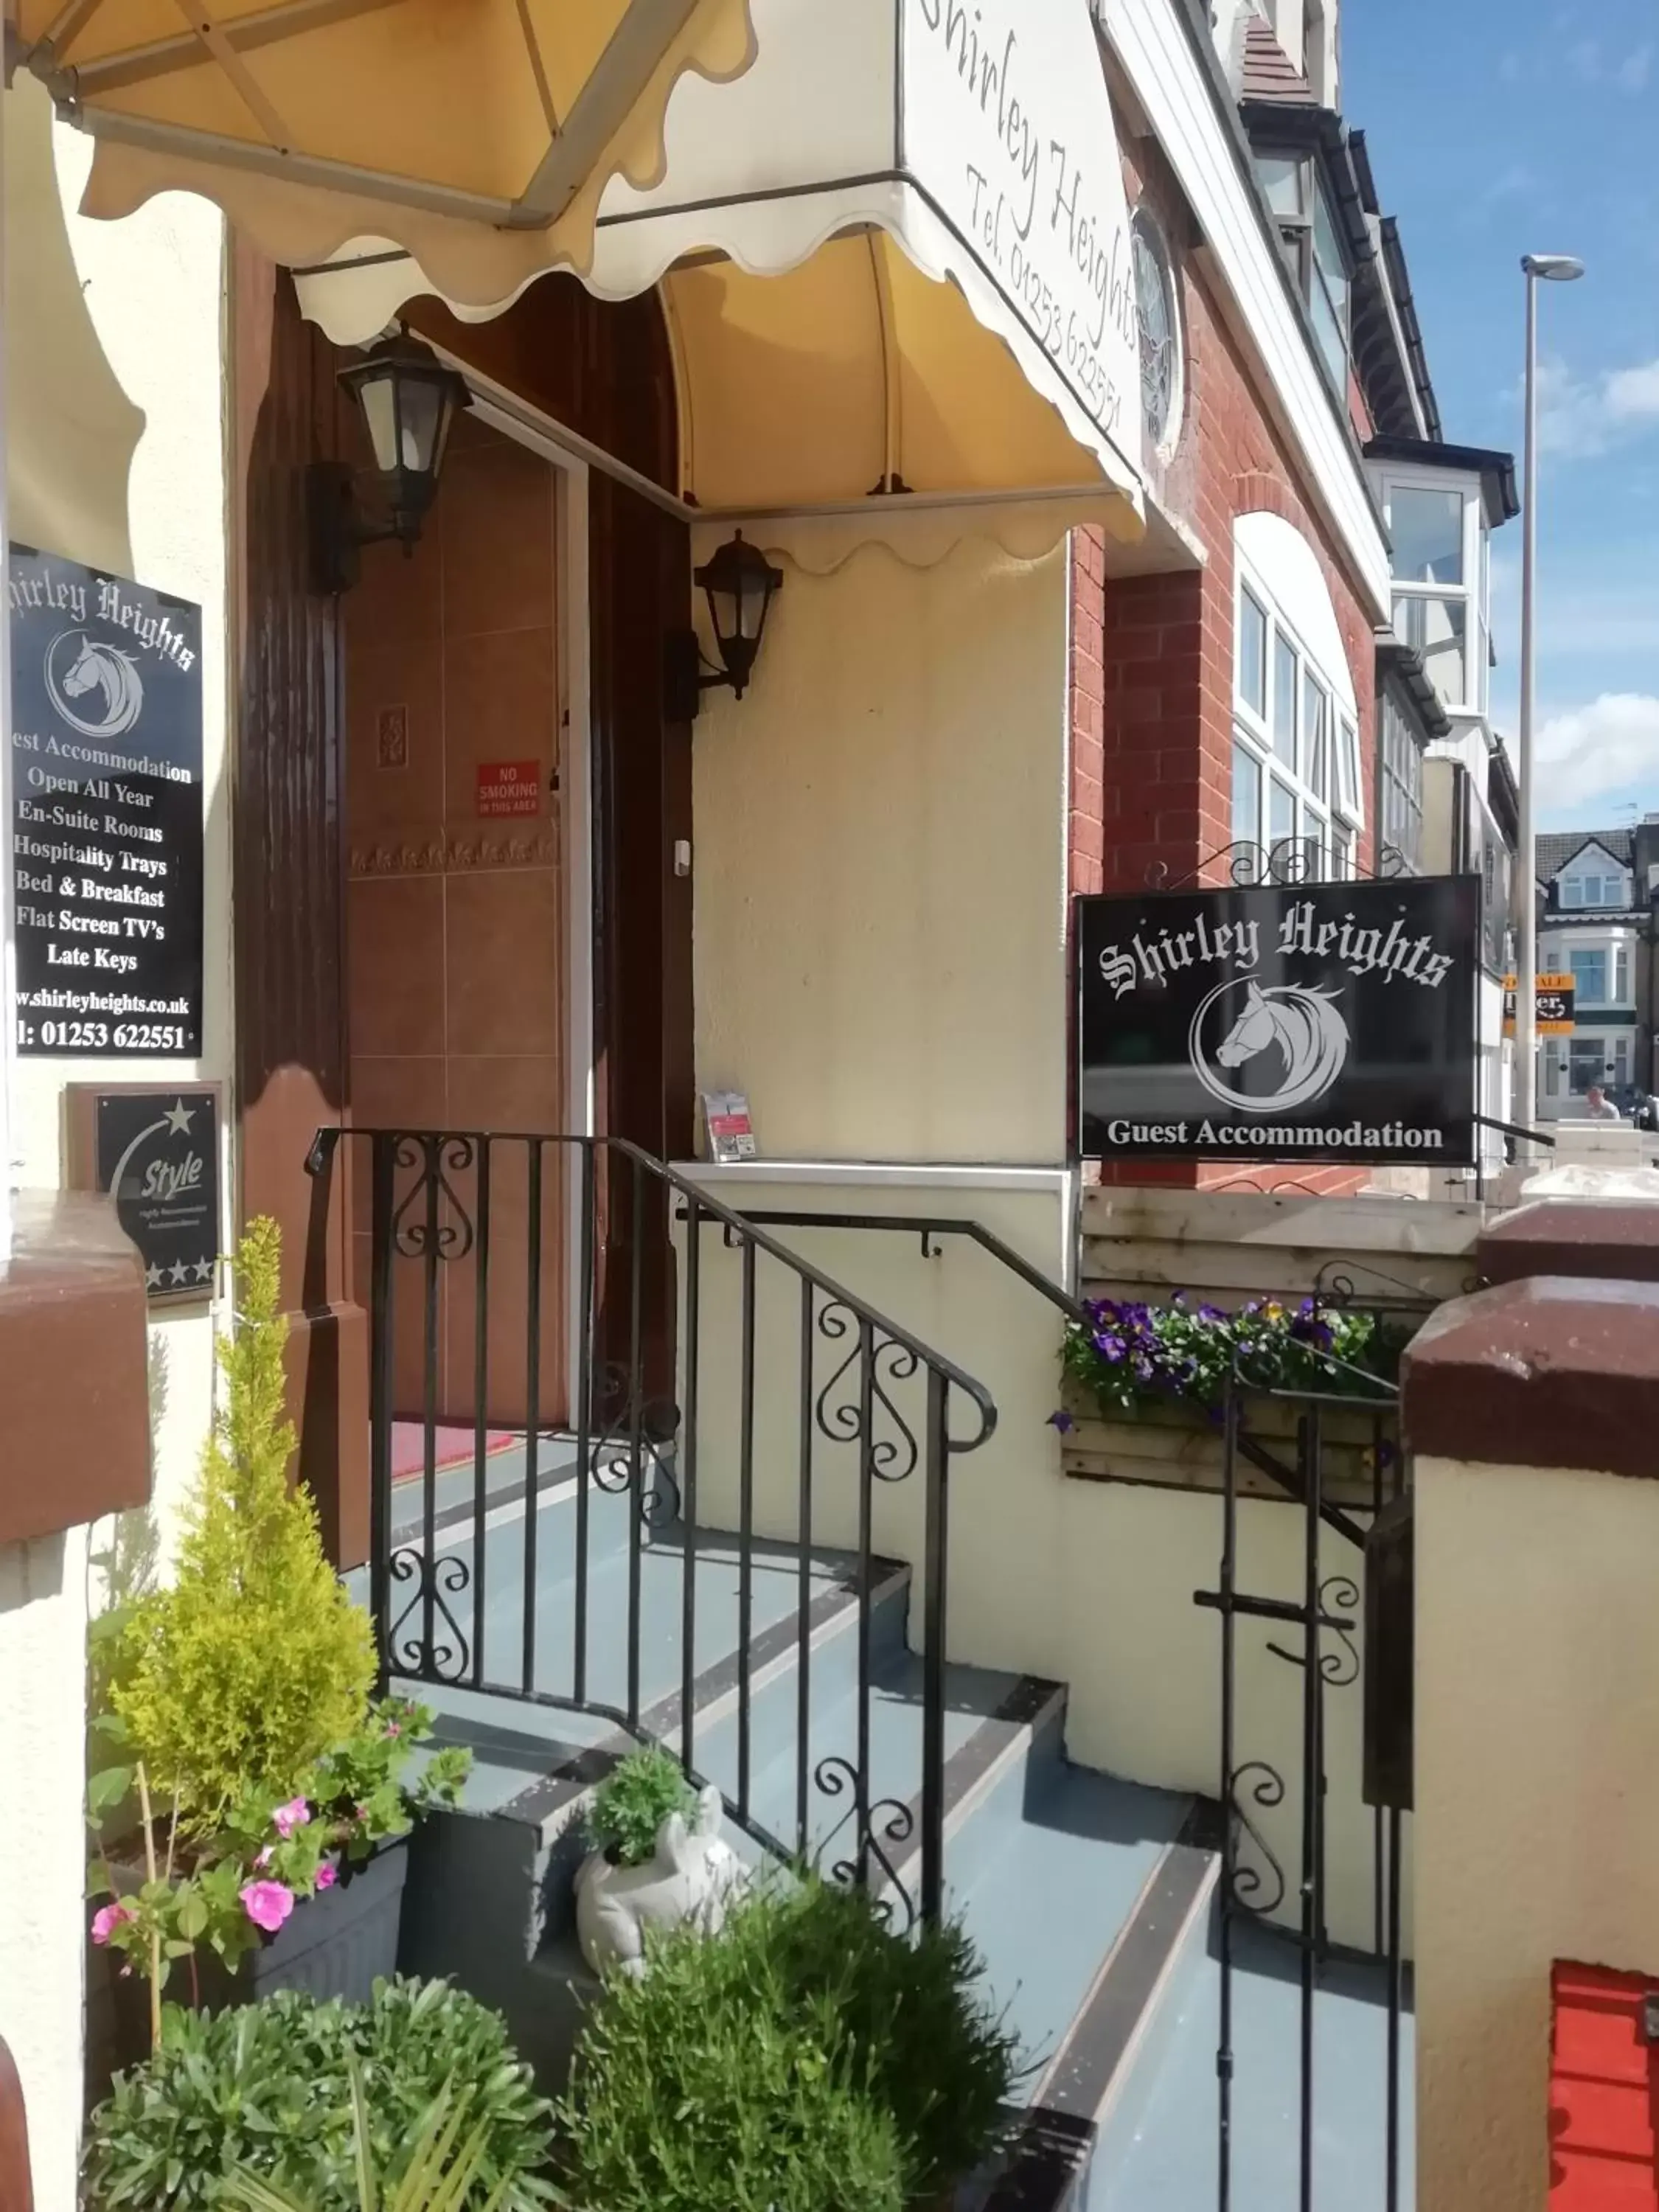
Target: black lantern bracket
{"type": "Point", "coordinates": [409, 401]}
{"type": "Point", "coordinates": [739, 584]}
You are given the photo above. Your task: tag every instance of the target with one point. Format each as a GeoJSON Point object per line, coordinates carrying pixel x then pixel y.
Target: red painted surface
{"type": "Point", "coordinates": [509, 787]}
{"type": "Point", "coordinates": [1604, 2153]}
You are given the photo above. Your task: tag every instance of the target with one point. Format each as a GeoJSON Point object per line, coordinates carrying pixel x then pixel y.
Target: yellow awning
{"type": "Point", "coordinates": [894, 256]}
{"type": "Point", "coordinates": [483, 131]}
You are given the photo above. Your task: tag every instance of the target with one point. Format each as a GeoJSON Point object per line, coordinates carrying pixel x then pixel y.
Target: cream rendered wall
{"type": "Point", "coordinates": [880, 874]}
{"type": "Point", "coordinates": [153, 289]}
{"type": "Point", "coordinates": [880, 869]}
{"type": "Point", "coordinates": [43, 1846]}
{"type": "Point", "coordinates": [152, 286]}
{"type": "Point", "coordinates": [1537, 1796]}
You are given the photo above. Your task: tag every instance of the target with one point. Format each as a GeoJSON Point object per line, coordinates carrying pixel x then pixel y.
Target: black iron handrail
{"type": "Point", "coordinates": [624, 1435]}
{"type": "Point", "coordinates": [927, 1226]}
{"type": "Point", "coordinates": [1341, 1288]}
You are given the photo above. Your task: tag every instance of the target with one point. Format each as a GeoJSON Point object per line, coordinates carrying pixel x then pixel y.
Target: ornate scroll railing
{"type": "Point", "coordinates": [463, 1589]}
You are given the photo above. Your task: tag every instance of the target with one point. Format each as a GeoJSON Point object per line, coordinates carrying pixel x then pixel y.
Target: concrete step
{"type": "Point", "coordinates": [493, 1880]}
{"type": "Point", "coordinates": [1158, 2146]}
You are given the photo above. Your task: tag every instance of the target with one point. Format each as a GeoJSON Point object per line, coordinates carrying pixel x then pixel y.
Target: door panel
{"type": "Point", "coordinates": [456, 970]}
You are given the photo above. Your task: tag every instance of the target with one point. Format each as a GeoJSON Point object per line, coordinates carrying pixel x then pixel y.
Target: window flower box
{"type": "Point", "coordinates": [1145, 1387]}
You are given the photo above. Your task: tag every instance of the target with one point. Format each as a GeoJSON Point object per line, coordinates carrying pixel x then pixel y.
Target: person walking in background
{"type": "Point", "coordinates": [1599, 1106]}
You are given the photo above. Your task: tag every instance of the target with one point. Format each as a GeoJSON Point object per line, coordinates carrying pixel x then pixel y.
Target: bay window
{"type": "Point", "coordinates": [1296, 776]}
{"type": "Point", "coordinates": [1441, 568]}
{"type": "Point", "coordinates": [1590, 976]}
{"type": "Point", "coordinates": [1400, 775]}
{"type": "Point", "coordinates": [1313, 246]}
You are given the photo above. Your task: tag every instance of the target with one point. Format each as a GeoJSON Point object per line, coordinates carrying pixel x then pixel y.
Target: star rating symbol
{"type": "Point", "coordinates": [205, 1271]}
{"type": "Point", "coordinates": [151, 1278]}
{"type": "Point", "coordinates": [179, 1118]}
{"type": "Point", "coordinates": [178, 1270]}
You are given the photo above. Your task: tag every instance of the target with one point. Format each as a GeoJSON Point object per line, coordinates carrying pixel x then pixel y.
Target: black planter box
{"type": "Point", "coordinates": [336, 1945]}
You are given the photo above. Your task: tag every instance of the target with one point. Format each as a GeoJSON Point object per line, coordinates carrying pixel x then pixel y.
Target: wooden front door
{"type": "Point", "coordinates": [455, 920]}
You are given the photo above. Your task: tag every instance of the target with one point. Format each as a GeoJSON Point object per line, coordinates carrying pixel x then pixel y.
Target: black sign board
{"type": "Point", "coordinates": [1310, 1021]}
{"type": "Point", "coordinates": [158, 1152]}
{"type": "Point", "coordinates": [106, 813]}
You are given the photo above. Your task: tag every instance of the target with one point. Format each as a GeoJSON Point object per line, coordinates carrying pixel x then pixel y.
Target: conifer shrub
{"type": "Point", "coordinates": [234, 1680]}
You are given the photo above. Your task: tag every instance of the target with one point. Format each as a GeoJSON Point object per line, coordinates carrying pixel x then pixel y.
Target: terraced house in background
{"type": "Point", "coordinates": [704, 527]}
{"type": "Point", "coordinates": [1596, 890]}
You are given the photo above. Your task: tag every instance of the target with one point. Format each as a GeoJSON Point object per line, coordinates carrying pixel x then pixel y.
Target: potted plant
{"type": "Point", "coordinates": [298, 2096]}
{"type": "Point", "coordinates": [657, 1861]}
{"type": "Point", "coordinates": [1144, 1385]}
{"type": "Point", "coordinates": [259, 1797]}
{"type": "Point", "coordinates": [812, 2060]}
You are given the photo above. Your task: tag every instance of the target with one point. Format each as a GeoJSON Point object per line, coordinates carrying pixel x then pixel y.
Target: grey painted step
{"type": "Point", "coordinates": [493, 1881]}
{"type": "Point", "coordinates": [1158, 2151]}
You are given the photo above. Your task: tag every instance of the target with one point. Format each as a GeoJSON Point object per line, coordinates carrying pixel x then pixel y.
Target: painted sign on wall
{"type": "Point", "coordinates": [1007, 127]}
{"type": "Point", "coordinates": [106, 829]}
{"type": "Point", "coordinates": [1327, 1023]}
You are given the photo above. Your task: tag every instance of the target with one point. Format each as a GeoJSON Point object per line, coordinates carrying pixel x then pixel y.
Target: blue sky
{"type": "Point", "coordinates": [1498, 127]}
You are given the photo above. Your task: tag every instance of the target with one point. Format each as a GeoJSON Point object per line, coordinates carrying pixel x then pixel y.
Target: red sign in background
{"type": "Point", "coordinates": [509, 787]}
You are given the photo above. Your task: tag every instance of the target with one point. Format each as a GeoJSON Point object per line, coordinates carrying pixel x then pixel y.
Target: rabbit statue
{"type": "Point", "coordinates": [691, 1876]}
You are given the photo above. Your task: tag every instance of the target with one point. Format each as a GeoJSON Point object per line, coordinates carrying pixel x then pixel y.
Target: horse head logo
{"type": "Point", "coordinates": [1303, 1028]}
{"type": "Point", "coordinates": [101, 677]}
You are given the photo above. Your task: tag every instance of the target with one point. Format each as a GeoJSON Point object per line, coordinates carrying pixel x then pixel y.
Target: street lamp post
{"type": "Point", "coordinates": [1555, 268]}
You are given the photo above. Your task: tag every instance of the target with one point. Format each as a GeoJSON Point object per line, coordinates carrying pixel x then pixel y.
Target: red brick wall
{"type": "Point", "coordinates": [1152, 656]}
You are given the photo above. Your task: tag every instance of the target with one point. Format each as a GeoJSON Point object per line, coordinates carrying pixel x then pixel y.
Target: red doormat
{"type": "Point", "coordinates": [454, 1445]}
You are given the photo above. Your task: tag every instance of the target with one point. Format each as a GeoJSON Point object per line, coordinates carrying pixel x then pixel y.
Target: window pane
{"type": "Point", "coordinates": [1590, 976]}
{"type": "Point", "coordinates": [1284, 716]}
{"type": "Point", "coordinates": [1328, 250]}
{"type": "Point", "coordinates": [1314, 747]}
{"type": "Point", "coordinates": [1331, 330]}
{"type": "Point", "coordinates": [1572, 891]}
{"type": "Point", "coordinates": [1251, 676]}
{"type": "Point", "coordinates": [1621, 975]}
{"type": "Point", "coordinates": [1247, 796]}
{"type": "Point", "coordinates": [1282, 181]}
{"type": "Point", "coordinates": [1437, 628]}
{"type": "Point", "coordinates": [1281, 812]}
{"type": "Point", "coordinates": [1347, 770]}
{"type": "Point", "coordinates": [1342, 854]}
{"type": "Point", "coordinates": [1585, 1065]}
{"type": "Point", "coordinates": [1427, 530]}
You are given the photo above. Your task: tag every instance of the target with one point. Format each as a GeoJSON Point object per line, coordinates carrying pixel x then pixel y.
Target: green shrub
{"type": "Point", "coordinates": [642, 1791]}
{"type": "Point", "coordinates": [266, 2090]}
{"type": "Point", "coordinates": [807, 2060]}
{"type": "Point", "coordinates": [437, 2172]}
{"type": "Point", "coordinates": [236, 1679]}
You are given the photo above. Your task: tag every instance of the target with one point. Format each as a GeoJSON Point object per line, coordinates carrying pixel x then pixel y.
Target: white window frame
{"type": "Point", "coordinates": [1471, 593]}
{"type": "Point", "coordinates": [1334, 820]}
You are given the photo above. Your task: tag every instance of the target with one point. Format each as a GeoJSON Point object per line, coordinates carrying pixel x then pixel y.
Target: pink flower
{"type": "Point", "coordinates": [326, 1876]}
{"type": "Point", "coordinates": [296, 1813]}
{"type": "Point", "coordinates": [263, 1858]}
{"type": "Point", "coordinates": [394, 1727]}
{"type": "Point", "coordinates": [268, 1904]}
{"type": "Point", "coordinates": [105, 1924]}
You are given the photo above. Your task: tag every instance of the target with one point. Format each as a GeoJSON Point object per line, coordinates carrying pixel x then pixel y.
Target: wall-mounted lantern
{"type": "Point", "coordinates": [408, 402]}
{"type": "Point", "coordinates": [739, 584]}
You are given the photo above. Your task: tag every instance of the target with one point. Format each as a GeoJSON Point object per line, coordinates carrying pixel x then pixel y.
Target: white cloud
{"type": "Point", "coordinates": [1632, 394]}
{"type": "Point", "coordinates": [1585, 415]}
{"type": "Point", "coordinates": [1591, 63]}
{"type": "Point", "coordinates": [1610, 745]}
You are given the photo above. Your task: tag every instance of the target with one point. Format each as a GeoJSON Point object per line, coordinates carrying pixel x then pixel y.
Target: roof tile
{"type": "Point", "coordinates": [1269, 72]}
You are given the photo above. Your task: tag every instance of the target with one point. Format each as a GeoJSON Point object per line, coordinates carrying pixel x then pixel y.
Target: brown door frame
{"type": "Point", "coordinates": [604, 372]}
